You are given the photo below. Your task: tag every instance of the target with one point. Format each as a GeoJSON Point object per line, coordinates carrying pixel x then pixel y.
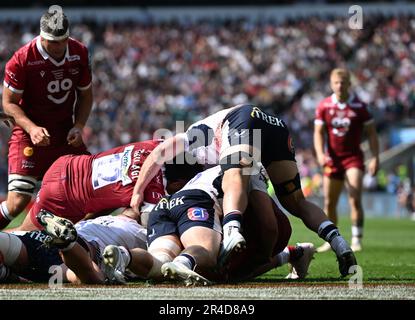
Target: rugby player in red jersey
{"type": "Point", "coordinates": [47, 91]}
{"type": "Point", "coordinates": [342, 117]}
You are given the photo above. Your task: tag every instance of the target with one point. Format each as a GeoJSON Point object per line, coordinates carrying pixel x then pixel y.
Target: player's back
{"type": "Point", "coordinates": [119, 231]}
{"type": "Point", "coordinates": [106, 180]}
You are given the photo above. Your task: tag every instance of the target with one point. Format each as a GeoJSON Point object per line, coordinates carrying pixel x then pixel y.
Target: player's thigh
{"type": "Point", "coordinates": [354, 182]}
{"type": "Point", "coordinates": [204, 237]}
{"type": "Point", "coordinates": [332, 188]}
{"type": "Point", "coordinates": [262, 218]}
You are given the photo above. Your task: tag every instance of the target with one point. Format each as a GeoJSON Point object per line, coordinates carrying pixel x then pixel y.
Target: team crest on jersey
{"type": "Point", "coordinates": [28, 151]}
{"type": "Point", "coordinates": [197, 214]}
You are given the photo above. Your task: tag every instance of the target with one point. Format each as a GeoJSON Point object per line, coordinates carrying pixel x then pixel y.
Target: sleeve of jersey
{"type": "Point", "coordinates": [85, 80]}
{"type": "Point", "coordinates": [319, 119]}
{"type": "Point", "coordinates": [367, 117]}
{"type": "Point", "coordinates": [14, 76]}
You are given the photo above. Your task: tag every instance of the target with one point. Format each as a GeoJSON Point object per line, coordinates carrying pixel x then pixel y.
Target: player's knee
{"type": "Point", "coordinates": [10, 246]}
{"type": "Point", "coordinates": [164, 249]}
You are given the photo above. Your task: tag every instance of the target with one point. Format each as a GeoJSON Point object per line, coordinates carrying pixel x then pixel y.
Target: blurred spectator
{"type": "Point", "coordinates": [148, 75]}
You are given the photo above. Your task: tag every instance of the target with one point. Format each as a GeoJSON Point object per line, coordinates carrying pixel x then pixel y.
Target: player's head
{"type": "Point", "coordinates": [179, 171]}
{"type": "Point", "coordinates": [340, 82]}
{"type": "Point", "coordinates": [54, 32]}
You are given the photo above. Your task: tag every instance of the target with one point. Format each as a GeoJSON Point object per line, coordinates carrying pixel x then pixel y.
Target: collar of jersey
{"type": "Point", "coordinates": [45, 55]}
{"type": "Point", "coordinates": [339, 104]}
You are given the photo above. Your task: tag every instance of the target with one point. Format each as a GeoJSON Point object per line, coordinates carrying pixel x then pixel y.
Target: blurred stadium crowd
{"type": "Point", "coordinates": [149, 75]}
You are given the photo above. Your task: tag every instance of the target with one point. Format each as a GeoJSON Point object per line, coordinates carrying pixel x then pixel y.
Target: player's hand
{"type": "Point", "coordinates": [136, 201]}
{"type": "Point", "coordinates": [321, 159]}
{"type": "Point", "coordinates": [74, 137]}
{"type": "Point", "coordinates": [7, 120]}
{"type": "Point", "coordinates": [373, 166]}
{"type": "Point", "coordinates": [39, 136]}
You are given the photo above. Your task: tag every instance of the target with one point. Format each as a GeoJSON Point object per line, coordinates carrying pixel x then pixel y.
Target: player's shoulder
{"type": "Point", "coordinates": [76, 44]}
{"type": "Point", "coordinates": [24, 53]}
{"type": "Point", "coordinates": [357, 103]}
{"type": "Point", "coordinates": [77, 49]}
{"type": "Point", "coordinates": [327, 102]}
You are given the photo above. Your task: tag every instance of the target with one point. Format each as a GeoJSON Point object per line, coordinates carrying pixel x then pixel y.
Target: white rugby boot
{"type": "Point", "coordinates": [232, 241]}
{"type": "Point", "coordinates": [116, 260]}
{"type": "Point", "coordinates": [299, 267]}
{"type": "Point", "coordinates": [178, 271]}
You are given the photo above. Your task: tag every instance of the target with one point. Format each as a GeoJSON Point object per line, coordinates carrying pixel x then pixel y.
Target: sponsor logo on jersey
{"type": "Point", "coordinates": [28, 164]}
{"type": "Point", "coordinates": [74, 57]}
{"type": "Point", "coordinates": [197, 214]}
{"type": "Point", "coordinates": [28, 151]}
{"type": "Point", "coordinates": [257, 113]}
{"type": "Point", "coordinates": [12, 75]}
{"type": "Point", "coordinates": [58, 74]}
{"type": "Point", "coordinates": [125, 165]}
{"type": "Point", "coordinates": [165, 204]}
{"type": "Point", "coordinates": [40, 236]}
{"type": "Point", "coordinates": [35, 63]}
{"type": "Point", "coordinates": [56, 86]}
{"type": "Point", "coordinates": [73, 71]}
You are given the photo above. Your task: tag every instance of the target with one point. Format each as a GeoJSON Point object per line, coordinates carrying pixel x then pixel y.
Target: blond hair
{"type": "Point", "coordinates": [342, 73]}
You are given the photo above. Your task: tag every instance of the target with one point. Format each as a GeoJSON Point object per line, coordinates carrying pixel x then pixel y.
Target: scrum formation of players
{"type": "Point", "coordinates": [197, 209]}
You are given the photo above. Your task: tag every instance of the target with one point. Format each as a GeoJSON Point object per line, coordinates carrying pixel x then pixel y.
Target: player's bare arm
{"type": "Point", "coordinates": [39, 135]}
{"type": "Point", "coordinates": [163, 152]}
{"type": "Point", "coordinates": [374, 148]}
{"type": "Point", "coordinates": [319, 143]}
{"type": "Point", "coordinates": [295, 202]}
{"type": "Point", "coordinates": [83, 109]}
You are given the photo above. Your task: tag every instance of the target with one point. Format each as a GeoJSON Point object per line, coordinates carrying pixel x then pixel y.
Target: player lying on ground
{"type": "Point", "coordinates": [184, 236]}
{"type": "Point", "coordinates": [76, 185]}
{"type": "Point", "coordinates": [33, 255]}
{"type": "Point", "coordinates": [236, 138]}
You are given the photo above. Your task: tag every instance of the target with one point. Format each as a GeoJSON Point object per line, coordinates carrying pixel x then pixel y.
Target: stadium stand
{"type": "Point", "coordinates": [148, 74]}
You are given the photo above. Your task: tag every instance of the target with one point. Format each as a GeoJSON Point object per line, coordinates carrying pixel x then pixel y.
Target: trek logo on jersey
{"type": "Point", "coordinates": [257, 113]}
{"type": "Point", "coordinates": [40, 236]}
{"type": "Point", "coordinates": [165, 204]}
{"type": "Point", "coordinates": [125, 165]}
{"type": "Point", "coordinates": [197, 214]}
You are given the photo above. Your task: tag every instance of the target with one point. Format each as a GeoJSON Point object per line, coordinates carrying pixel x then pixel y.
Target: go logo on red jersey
{"type": "Point", "coordinates": [57, 86]}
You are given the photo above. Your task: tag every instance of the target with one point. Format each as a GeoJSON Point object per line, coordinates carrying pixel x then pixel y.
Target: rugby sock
{"type": "Point", "coordinates": [329, 232]}
{"type": "Point", "coordinates": [187, 260]}
{"type": "Point", "coordinates": [5, 216]}
{"type": "Point", "coordinates": [357, 231]}
{"type": "Point", "coordinates": [283, 257]}
{"type": "Point", "coordinates": [232, 219]}
{"type": "Point", "coordinates": [4, 273]}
